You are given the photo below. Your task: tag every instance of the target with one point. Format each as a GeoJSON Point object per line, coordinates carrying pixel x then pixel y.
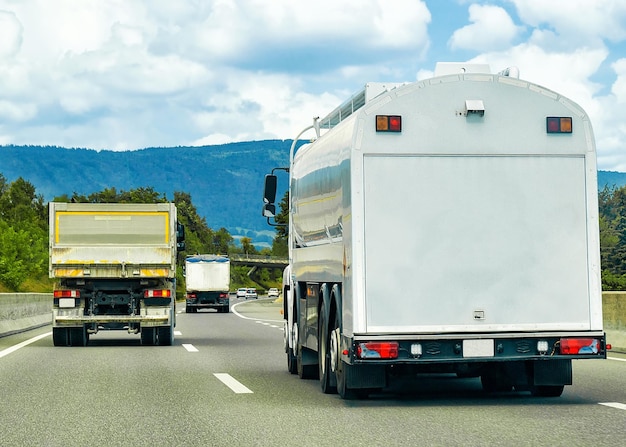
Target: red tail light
{"type": "Point", "coordinates": [377, 350]}
{"type": "Point", "coordinates": [67, 293]}
{"type": "Point", "coordinates": [223, 295]}
{"type": "Point", "coordinates": [191, 295]}
{"type": "Point", "coordinates": [165, 293]}
{"type": "Point", "coordinates": [570, 346]}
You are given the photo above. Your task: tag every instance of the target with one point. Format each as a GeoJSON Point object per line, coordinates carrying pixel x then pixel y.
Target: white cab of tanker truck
{"type": "Point", "coordinates": [115, 269]}
{"type": "Point", "coordinates": [448, 225]}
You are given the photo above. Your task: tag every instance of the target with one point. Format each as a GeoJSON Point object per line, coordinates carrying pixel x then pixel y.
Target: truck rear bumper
{"type": "Point", "coordinates": [142, 320]}
{"type": "Point", "coordinates": [474, 348]}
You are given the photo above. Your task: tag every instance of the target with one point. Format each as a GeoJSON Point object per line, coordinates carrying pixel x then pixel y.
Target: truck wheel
{"type": "Point", "coordinates": [148, 336]}
{"type": "Point", "coordinates": [166, 336]}
{"type": "Point", "coordinates": [546, 390]}
{"type": "Point", "coordinates": [327, 378]}
{"type": "Point", "coordinates": [60, 336]}
{"type": "Point", "coordinates": [292, 361]}
{"type": "Point", "coordinates": [341, 370]}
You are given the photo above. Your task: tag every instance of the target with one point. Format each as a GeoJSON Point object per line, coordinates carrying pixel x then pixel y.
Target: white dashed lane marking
{"type": "Point", "coordinates": [233, 383]}
{"type": "Point", "coordinates": [190, 347]}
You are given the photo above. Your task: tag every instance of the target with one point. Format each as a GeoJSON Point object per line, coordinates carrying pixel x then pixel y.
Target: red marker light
{"type": "Point", "coordinates": [67, 293]}
{"type": "Point", "coordinates": [388, 123]}
{"type": "Point", "coordinates": [165, 293]}
{"type": "Point", "coordinates": [579, 346]}
{"type": "Point", "coordinates": [559, 124]}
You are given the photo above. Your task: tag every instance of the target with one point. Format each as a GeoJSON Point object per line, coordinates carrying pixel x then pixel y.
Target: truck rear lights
{"type": "Point", "coordinates": [67, 293]}
{"type": "Point", "coordinates": [377, 350]}
{"type": "Point", "coordinates": [388, 123]}
{"type": "Point", "coordinates": [191, 296]}
{"type": "Point", "coordinates": [164, 293]}
{"type": "Point", "coordinates": [559, 124]}
{"type": "Point", "coordinates": [579, 346]}
{"type": "Point", "coordinates": [542, 347]}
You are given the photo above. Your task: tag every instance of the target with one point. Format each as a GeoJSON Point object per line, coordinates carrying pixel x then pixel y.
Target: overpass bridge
{"type": "Point", "coordinates": [256, 261]}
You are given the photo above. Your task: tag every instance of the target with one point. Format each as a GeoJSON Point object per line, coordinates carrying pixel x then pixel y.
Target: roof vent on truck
{"type": "Point", "coordinates": [354, 103]}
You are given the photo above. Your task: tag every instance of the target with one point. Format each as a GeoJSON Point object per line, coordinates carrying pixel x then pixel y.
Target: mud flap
{"type": "Point", "coordinates": [366, 376]}
{"type": "Point", "coordinates": [551, 372]}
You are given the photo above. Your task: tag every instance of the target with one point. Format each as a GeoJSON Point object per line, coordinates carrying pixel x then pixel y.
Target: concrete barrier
{"type": "Point", "coordinates": [22, 311]}
{"type": "Point", "coordinates": [614, 315]}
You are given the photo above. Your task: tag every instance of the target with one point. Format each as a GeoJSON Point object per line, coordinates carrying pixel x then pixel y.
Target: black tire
{"type": "Point", "coordinates": [60, 336]}
{"type": "Point", "coordinates": [341, 373]}
{"type": "Point", "coordinates": [292, 361]}
{"type": "Point", "coordinates": [327, 379]}
{"type": "Point", "coordinates": [547, 390]}
{"type": "Point", "coordinates": [148, 336]}
{"type": "Point", "coordinates": [165, 336]}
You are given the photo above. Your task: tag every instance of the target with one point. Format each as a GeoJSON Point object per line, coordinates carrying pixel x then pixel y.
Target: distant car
{"type": "Point", "coordinates": [241, 293]}
{"type": "Point", "coordinates": [272, 293]}
{"type": "Point", "coordinates": [251, 293]}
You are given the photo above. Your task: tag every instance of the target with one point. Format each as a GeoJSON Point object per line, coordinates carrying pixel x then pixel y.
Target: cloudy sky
{"type": "Point", "coordinates": [130, 74]}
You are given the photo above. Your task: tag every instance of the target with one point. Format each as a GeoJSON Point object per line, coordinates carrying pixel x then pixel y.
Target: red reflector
{"type": "Point", "coordinates": [67, 293]}
{"type": "Point", "coordinates": [388, 123]}
{"type": "Point", "coordinates": [191, 295]}
{"type": "Point", "coordinates": [377, 350]}
{"type": "Point", "coordinates": [580, 346]}
{"type": "Point", "coordinates": [559, 124]}
{"type": "Point", "coordinates": [165, 293]}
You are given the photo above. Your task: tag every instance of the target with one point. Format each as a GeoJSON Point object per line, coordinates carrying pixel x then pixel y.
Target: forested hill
{"type": "Point", "coordinates": [225, 181]}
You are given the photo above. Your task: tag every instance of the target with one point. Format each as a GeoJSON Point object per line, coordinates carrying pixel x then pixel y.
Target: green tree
{"type": "Point", "coordinates": [279, 245]}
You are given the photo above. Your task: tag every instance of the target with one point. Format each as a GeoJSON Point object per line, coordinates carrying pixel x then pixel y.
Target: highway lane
{"type": "Point", "coordinates": [116, 392]}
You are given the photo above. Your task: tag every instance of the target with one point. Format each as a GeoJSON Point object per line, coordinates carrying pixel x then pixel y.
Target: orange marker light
{"type": "Point", "coordinates": [388, 123]}
{"type": "Point", "coordinates": [559, 124]}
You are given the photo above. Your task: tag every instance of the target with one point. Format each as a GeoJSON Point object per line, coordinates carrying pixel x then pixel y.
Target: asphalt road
{"type": "Point", "coordinates": [224, 382]}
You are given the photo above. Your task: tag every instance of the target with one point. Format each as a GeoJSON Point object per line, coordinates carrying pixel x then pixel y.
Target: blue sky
{"type": "Point", "coordinates": [130, 74]}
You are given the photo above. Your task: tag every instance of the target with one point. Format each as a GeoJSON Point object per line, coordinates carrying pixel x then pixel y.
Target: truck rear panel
{"type": "Point", "coordinates": [475, 244]}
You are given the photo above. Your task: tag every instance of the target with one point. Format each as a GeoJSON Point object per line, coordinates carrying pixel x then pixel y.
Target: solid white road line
{"type": "Point", "coordinates": [234, 310]}
{"type": "Point", "coordinates": [618, 359]}
{"type": "Point", "coordinates": [232, 383]}
{"type": "Point", "coordinates": [7, 351]}
{"type": "Point", "coordinates": [614, 405]}
{"type": "Point", "coordinates": [189, 347]}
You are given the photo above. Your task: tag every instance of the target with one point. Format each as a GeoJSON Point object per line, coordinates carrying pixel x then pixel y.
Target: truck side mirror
{"type": "Point", "coordinates": [269, 192]}
{"type": "Point", "coordinates": [269, 210]}
{"type": "Point", "coordinates": [180, 236]}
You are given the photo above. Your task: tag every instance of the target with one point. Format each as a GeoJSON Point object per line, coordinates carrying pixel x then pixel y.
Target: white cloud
{"type": "Point", "coordinates": [580, 20]}
{"type": "Point", "coordinates": [492, 28]}
{"type": "Point", "coordinates": [131, 74]}
{"type": "Point", "coordinates": [10, 34]}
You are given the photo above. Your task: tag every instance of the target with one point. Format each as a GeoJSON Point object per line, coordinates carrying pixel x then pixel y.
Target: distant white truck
{"type": "Point", "coordinates": [446, 225]}
{"type": "Point", "coordinates": [207, 282]}
{"type": "Point", "coordinates": [115, 269]}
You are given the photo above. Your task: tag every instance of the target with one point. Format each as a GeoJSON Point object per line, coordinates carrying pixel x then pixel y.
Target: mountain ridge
{"type": "Point", "coordinates": [225, 181]}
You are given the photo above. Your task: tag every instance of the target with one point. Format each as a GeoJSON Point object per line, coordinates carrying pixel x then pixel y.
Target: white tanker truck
{"type": "Point", "coordinates": [448, 225]}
